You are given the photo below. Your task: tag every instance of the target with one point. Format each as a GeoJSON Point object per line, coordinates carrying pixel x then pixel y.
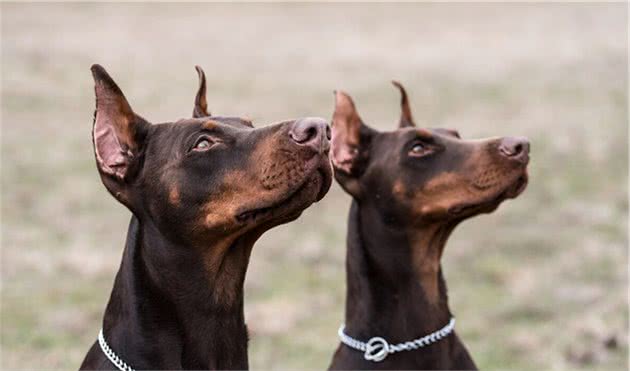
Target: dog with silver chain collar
{"type": "Point", "coordinates": [201, 192]}
{"type": "Point", "coordinates": [410, 187]}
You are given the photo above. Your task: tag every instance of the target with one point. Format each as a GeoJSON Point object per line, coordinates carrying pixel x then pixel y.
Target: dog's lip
{"type": "Point", "coordinates": [513, 190]}
{"type": "Point", "coordinates": [321, 171]}
{"type": "Point", "coordinates": [325, 172]}
{"type": "Point", "coordinates": [253, 213]}
{"type": "Point", "coordinates": [519, 185]}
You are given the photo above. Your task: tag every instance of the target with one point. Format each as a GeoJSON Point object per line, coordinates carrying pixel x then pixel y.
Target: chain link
{"type": "Point", "coordinates": [109, 353]}
{"type": "Point", "coordinates": [386, 348]}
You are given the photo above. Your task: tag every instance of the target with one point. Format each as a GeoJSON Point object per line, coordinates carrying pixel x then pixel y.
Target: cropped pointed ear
{"type": "Point", "coordinates": [346, 133]}
{"type": "Point", "coordinates": [406, 120]}
{"type": "Point", "coordinates": [350, 143]}
{"type": "Point", "coordinates": [118, 133]}
{"type": "Point", "coordinates": [201, 105]}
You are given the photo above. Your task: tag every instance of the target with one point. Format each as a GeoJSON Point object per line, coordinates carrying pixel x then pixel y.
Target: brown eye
{"type": "Point", "coordinates": [203, 145]}
{"type": "Point", "coordinates": [419, 149]}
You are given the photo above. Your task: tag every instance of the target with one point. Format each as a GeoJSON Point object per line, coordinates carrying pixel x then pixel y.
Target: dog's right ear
{"type": "Point", "coordinates": [201, 105]}
{"type": "Point", "coordinates": [350, 143]}
{"type": "Point", "coordinates": [406, 119]}
{"type": "Point", "coordinates": [118, 134]}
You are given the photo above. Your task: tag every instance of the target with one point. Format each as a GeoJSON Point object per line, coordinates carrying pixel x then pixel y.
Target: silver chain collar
{"type": "Point", "coordinates": [377, 349]}
{"type": "Point", "coordinates": [109, 353]}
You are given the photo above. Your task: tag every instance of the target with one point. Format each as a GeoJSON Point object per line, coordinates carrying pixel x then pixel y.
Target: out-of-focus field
{"type": "Point", "coordinates": [539, 284]}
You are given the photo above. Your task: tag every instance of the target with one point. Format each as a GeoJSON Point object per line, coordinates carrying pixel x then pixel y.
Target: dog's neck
{"type": "Point", "coordinates": [395, 284]}
{"type": "Point", "coordinates": [172, 307]}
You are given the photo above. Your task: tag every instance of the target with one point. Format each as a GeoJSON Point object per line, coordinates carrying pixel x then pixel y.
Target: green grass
{"type": "Point", "coordinates": [539, 284]}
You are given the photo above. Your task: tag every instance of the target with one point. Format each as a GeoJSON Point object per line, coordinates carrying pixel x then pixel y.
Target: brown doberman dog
{"type": "Point", "coordinates": [201, 192]}
{"type": "Point", "coordinates": [410, 188]}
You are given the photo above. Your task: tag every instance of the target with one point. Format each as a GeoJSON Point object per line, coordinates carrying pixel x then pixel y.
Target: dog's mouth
{"type": "Point", "coordinates": [512, 190]}
{"type": "Point", "coordinates": [313, 189]}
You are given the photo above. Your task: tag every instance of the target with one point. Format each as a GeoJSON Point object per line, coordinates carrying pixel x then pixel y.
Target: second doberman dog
{"type": "Point", "coordinates": [410, 188]}
{"type": "Point", "coordinates": [201, 191]}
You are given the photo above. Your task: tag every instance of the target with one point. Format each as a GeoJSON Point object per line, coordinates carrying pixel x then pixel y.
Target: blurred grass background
{"type": "Point", "coordinates": [539, 284]}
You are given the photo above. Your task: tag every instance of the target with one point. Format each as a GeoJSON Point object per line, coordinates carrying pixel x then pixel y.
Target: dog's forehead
{"type": "Point", "coordinates": [408, 133]}
{"type": "Point", "coordinates": [425, 133]}
{"type": "Point", "coordinates": [215, 122]}
{"type": "Point", "coordinates": [236, 122]}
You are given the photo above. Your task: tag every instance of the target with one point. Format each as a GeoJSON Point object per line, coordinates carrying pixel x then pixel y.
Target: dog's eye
{"type": "Point", "coordinates": [203, 144]}
{"type": "Point", "coordinates": [419, 149]}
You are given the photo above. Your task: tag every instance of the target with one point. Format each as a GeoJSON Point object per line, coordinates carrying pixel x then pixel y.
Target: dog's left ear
{"type": "Point", "coordinates": [406, 120]}
{"type": "Point", "coordinates": [201, 105]}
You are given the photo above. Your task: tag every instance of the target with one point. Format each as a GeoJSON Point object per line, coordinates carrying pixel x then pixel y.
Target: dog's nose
{"type": "Point", "coordinates": [312, 132]}
{"type": "Point", "coordinates": [515, 148]}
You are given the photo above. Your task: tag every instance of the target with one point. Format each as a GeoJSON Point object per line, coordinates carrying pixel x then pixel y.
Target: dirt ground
{"type": "Point", "coordinates": [539, 284]}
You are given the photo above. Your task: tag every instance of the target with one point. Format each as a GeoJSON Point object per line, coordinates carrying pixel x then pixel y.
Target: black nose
{"type": "Point", "coordinates": [312, 132]}
{"type": "Point", "coordinates": [515, 148]}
